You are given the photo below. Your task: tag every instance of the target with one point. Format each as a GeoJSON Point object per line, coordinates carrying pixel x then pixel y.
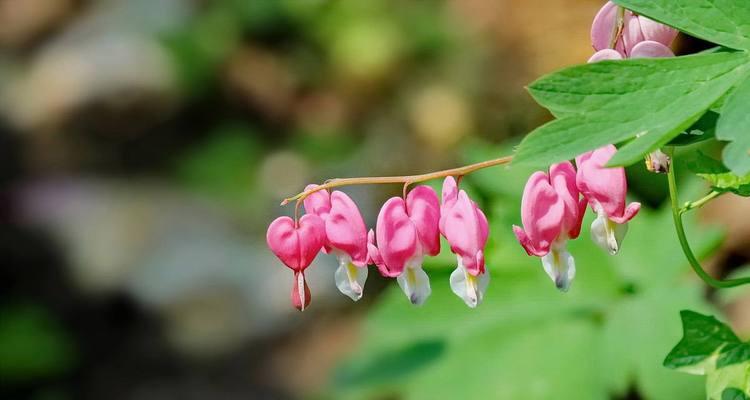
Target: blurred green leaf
{"type": "Point", "coordinates": [734, 394]}
{"type": "Point", "coordinates": [32, 345]}
{"type": "Point", "coordinates": [224, 166]}
{"type": "Point", "coordinates": [604, 337]}
{"type": "Point", "coordinates": [720, 178]}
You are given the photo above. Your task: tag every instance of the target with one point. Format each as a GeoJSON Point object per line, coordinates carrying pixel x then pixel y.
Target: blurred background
{"type": "Point", "coordinates": [145, 146]}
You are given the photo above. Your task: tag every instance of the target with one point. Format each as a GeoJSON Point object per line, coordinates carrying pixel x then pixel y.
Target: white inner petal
{"type": "Point", "coordinates": [350, 279]}
{"type": "Point", "coordinates": [560, 266]}
{"type": "Point", "coordinates": [608, 234]}
{"type": "Point", "coordinates": [415, 283]}
{"type": "Point", "coordinates": [468, 287]}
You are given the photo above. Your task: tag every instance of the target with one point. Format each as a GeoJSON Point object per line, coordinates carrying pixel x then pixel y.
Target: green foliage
{"type": "Point", "coordinates": [527, 340]}
{"type": "Point", "coordinates": [724, 22]}
{"type": "Point", "coordinates": [734, 126]}
{"type": "Point", "coordinates": [32, 345]}
{"type": "Point", "coordinates": [648, 100]}
{"type": "Point", "coordinates": [734, 394]}
{"type": "Point", "coordinates": [709, 347]}
{"type": "Point", "coordinates": [720, 178]}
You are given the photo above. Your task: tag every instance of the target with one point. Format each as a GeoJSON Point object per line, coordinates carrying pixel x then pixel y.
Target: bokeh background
{"type": "Point", "coordinates": [145, 146]}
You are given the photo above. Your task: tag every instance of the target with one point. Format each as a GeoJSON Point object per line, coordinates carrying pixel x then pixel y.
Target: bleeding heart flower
{"type": "Point", "coordinates": [551, 213]}
{"type": "Point", "coordinates": [465, 227]}
{"type": "Point", "coordinates": [346, 238]}
{"type": "Point", "coordinates": [296, 246]}
{"type": "Point", "coordinates": [605, 190]}
{"type": "Point", "coordinates": [407, 231]}
{"type": "Point", "coordinates": [636, 29]}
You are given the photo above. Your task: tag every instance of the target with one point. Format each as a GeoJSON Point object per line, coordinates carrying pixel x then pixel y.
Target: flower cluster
{"type": "Point", "coordinates": [407, 230]}
{"type": "Point", "coordinates": [553, 206]}
{"type": "Point", "coordinates": [640, 37]}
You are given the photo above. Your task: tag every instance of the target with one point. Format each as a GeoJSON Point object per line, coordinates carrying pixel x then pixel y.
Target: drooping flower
{"type": "Point", "coordinates": [636, 29]}
{"type": "Point", "coordinates": [407, 231]}
{"type": "Point", "coordinates": [346, 238]}
{"type": "Point", "coordinates": [465, 227]}
{"type": "Point", "coordinates": [605, 190]}
{"type": "Point", "coordinates": [296, 245]}
{"type": "Point", "coordinates": [551, 214]}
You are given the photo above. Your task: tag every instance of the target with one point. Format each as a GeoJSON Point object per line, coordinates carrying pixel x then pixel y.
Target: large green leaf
{"type": "Point", "coordinates": [718, 175]}
{"type": "Point", "coordinates": [648, 100]}
{"type": "Point", "coordinates": [734, 126]}
{"type": "Point", "coordinates": [723, 22]}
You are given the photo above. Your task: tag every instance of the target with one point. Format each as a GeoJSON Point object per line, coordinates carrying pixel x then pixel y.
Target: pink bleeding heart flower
{"type": "Point", "coordinates": [551, 213]}
{"type": "Point", "coordinates": [346, 238]}
{"type": "Point", "coordinates": [636, 29]}
{"type": "Point", "coordinates": [296, 245]}
{"type": "Point", "coordinates": [605, 190]}
{"type": "Point", "coordinates": [465, 227]}
{"type": "Point", "coordinates": [407, 231]}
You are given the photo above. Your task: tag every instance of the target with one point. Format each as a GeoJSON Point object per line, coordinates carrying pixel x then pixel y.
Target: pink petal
{"type": "Point", "coordinates": [464, 231]}
{"type": "Point", "coordinates": [396, 236]}
{"type": "Point", "coordinates": [346, 229]}
{"type": "Point", "coordinates": [542, 213]}
{"type": "Point", "coordinates": [450, 195]}
{"type": "Point", "coordinates": [423, 208]}
{"type": "Point", "coordinates": [650, 49]}
{"type": "Point", "coordinates": [563, 180]}
{"type": "Point", "coordinates": [606, 54]}
{"type": "Point", "coordinates": [318, 203]}
{"type": "Point", "coordinates": [657, 32]}
{"type": "Point", "coordinates": [630, 211]}
{"type": "Point", "coordinates": [300, 292]}
{"type": "Point", "coordinates": [631, 32]}
{"type": "Point", "coordinates": [603, 25]}
{"type": "Point", "coordinates": [602, 187]}
{"type": "Point", "coordinates": [296, 247]}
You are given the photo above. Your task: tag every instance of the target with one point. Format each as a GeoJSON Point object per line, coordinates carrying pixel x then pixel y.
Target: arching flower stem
{"type": "Point", "coordinates": [405, 179]}
{"type": "Point", "coordinates": [677, 216]}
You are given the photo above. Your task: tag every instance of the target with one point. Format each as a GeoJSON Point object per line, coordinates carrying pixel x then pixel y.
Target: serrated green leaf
{"type": "Point", "coordinates": [734, 126]}
{"type": "Point", "coordinates": [734, 394]}
{"type": "Point", "coordinates": [597, 111]}
{"type": "Point", "coordinates": [702, 337]}
{"type": "Point", "coordinates": [724, 22]}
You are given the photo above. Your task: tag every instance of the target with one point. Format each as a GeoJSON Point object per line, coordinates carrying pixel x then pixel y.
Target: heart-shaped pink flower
{"type": "Point", "coordinates": [296, 246]}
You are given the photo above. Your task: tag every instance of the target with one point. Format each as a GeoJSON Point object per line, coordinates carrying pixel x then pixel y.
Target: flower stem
{"type": "Point", "coordinates": [694, 263]}
{"type": "Point", "coordinates": [406, 179]}
{"type": "Point", "coordinates": [700, 202]}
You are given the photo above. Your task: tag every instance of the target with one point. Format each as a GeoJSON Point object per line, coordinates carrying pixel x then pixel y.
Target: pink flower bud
{"type": "Point", "coordinates": [605, 190]}
{"type": "Point", "coordinates": [465, 227]}
{"type": "Point", "coordinates": [407, 231]}
{"type": "Point", "coordinates": [551, 213]}
{"type": "Point", "coordinates": [297, 246]}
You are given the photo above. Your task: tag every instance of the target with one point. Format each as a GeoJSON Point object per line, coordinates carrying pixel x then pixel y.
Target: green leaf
{"type": "Point", "coordinates": [724, 22]}
{"type": "Point", "coordinates": [702, 130]}
{"type": "Point", "coordinates": [734, 394]}
{"type": "Point", "coordinates": [703, 336]}
{"type": "Point", "coordinates": [610, 102]}
{"type": "Point", "coordinates": [718, 175]}
{"type": "Point", "coordinates": [734, 376]}
{"type": "Point", "coordinates": [734, 126]}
